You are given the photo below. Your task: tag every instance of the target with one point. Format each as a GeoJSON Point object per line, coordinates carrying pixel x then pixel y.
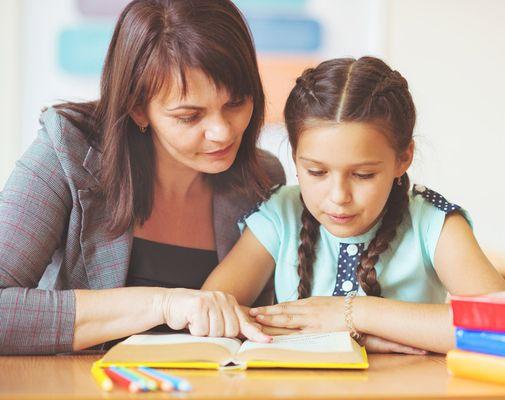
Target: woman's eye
{"type": "Point", "coordinates": [236, 103]}
{"type": "Point", "coordinates": [364, 176]}
{"type": "Point", "coordinates": [315, 172]}
{"type": "Point", "coordinates": [187, 119]}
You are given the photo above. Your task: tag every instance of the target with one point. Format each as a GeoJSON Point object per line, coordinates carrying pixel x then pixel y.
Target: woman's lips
{"type": "Point", "coordinates": [220, 153]}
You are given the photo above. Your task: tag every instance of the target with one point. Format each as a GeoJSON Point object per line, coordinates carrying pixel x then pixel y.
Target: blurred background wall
{"type": "Point", "coordinates": [452, 52]}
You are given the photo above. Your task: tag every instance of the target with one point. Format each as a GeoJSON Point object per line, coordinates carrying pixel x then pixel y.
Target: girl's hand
{"type": "Point", "coordinates": [208, 313]}
{"type": "Point", "coordinates": [313, 314]}
{"type": "Point", "coordinates": [267, 330]}
{"type": "Point", "coordinates": [375, 344]}
{"type": "Point", "coordinates": [322, 314]}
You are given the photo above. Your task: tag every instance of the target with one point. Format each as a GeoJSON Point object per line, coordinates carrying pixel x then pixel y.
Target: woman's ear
{"type": "Point", "coordinates": [139, 116]}
{"type": "Point", "coordinates": [405, 159]}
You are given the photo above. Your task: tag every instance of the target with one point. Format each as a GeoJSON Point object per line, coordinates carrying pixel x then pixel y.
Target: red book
{"type": "Point", "coordinates": [485, 313]}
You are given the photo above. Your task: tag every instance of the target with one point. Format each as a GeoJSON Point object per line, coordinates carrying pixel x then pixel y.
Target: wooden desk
{"type": "Point", "coordinates": [389, 377]}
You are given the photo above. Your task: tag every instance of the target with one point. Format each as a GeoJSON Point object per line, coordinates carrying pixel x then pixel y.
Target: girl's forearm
{"type": "Point", "coordinates": [103, 315]}
{"type": "Point", "coordinates": [424, 326]}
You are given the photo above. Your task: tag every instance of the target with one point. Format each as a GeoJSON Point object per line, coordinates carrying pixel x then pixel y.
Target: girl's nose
{"type": "Point", "coordinates": [340, 192]}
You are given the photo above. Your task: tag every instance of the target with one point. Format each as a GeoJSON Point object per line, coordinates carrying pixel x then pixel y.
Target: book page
{"type": "Point", "coordinates": [334, 342]}
{"type": "Point", "coordinates": [232, 345]}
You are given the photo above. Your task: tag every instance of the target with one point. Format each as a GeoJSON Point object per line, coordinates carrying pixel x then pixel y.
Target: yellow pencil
{"type": "Point", "coordinates": [101, 378]}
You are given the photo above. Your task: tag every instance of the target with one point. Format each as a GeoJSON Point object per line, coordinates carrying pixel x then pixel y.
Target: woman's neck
{"type": "Point", "coordinates": [176, 181]}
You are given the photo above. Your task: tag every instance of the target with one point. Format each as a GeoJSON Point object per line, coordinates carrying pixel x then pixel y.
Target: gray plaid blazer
{"type": "Point", "coordinates": [53, 240]}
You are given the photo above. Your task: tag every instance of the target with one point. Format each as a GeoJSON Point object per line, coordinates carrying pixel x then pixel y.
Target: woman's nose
{"type": "Point", "coordinates": [218, 129]}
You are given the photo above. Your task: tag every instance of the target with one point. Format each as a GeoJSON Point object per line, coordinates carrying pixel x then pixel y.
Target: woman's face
{"type": "Point", "coordinates": [202, 130]}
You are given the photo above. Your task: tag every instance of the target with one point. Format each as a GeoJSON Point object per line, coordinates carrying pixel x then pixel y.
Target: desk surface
{"type": "Point", "coordinates": [389, 377]}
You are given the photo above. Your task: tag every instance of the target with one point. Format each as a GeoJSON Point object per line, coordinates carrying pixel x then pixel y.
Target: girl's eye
{"type": "Point", "coordinates": [187, 119]}
{"type": "Point", "coordinates": [314, 172]}
{"type": "Point", "coordinates": [364, 176]}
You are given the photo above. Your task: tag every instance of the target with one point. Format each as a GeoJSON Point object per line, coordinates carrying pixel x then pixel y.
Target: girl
{"type": "Point", "coordinates": [354, 225]}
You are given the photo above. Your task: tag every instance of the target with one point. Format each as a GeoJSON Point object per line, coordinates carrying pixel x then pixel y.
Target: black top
{"type": "Point", "coordinates": [166, 265]}
{"type": "Point", "coordinates": [170, 266]}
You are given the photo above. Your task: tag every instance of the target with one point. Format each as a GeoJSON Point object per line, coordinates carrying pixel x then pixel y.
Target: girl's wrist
{"type": "Point", "coordinates": [359, 314]}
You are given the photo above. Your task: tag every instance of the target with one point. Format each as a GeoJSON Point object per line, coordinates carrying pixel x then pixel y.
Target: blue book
{"type": "Point", "coordinates": [481, 341]}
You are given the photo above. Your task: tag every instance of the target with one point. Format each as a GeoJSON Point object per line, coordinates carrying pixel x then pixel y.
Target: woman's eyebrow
{"type": "Point", "coordinates": [185, 107]}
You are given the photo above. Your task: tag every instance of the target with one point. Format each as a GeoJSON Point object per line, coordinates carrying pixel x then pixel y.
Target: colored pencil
{"type": "Point", "coordinates": [101, 378]}
{"type": "Point", "coordinates": [122, 380]}
{"type": "Point", "coordinates": [151, 384]}
{"type": "Point", "coordinates": [164, 385]}
{"type": "Point", "coordinates": [180, 384]}
{"type": "Point", "coordinates": [134, 378]}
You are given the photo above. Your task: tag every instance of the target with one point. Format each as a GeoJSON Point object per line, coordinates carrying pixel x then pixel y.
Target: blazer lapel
{"type": "Point", "coordinates": [105, 260]}
{"type": "Point", "coordinates": [227, 209]}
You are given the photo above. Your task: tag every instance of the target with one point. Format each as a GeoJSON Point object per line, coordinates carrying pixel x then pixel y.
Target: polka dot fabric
{"type": "Point", "coordinates": [348, 261]}
{"type": "Point", "coordinates": [435, 198]}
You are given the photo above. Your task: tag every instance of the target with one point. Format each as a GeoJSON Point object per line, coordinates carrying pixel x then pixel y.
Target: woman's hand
{"type": "Point", "coordinates": [208, 313]}
{"type": "Point", "coordinates": [313, 314]}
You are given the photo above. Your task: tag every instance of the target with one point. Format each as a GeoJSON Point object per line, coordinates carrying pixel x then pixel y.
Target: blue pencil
{"type": "Point", "coordinates": [127, 374]}
{"type": "Point", "coordinates": [179, 384]}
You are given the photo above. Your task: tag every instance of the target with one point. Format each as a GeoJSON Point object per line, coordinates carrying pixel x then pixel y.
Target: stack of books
{"type": "Point", "coordinates": [480, 338]}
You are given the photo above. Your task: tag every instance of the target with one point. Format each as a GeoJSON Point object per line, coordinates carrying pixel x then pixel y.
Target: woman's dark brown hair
{"type": "Point", "coordinates": [348, 90]}
{"type": "Point", "coordinates": [153, 44]}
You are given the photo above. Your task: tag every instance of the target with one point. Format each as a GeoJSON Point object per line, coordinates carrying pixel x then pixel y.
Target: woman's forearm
{"type": "Point", "coordinates": [103, 315]}
{"type": "Point", "coordinates": [424, 326]}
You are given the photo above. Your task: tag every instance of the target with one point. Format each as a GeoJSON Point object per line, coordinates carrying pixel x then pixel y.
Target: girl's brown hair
{"type": "Point", "coordinates": [153, 45]}
{"type": "Point", "coordinates": [349, 90]}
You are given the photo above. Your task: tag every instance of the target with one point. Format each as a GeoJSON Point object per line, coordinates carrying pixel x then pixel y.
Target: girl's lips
{"type": "Point", "coordinates": [341, 218]}
{"type": "Point", "coordinates": [220, 153]}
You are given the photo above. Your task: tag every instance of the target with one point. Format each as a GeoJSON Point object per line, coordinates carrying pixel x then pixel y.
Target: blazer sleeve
{"type": "Point", "coordinates": [34, 212]}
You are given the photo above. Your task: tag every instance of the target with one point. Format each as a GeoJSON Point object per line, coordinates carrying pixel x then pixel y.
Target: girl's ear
{"type": "Point", "coordinates": [139, 116]}
{"type": "Point", "coordinates": [405, 159]}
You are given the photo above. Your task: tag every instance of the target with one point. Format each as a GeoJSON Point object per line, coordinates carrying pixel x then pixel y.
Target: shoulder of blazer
{"type": "Point", "coordinates": [273, 167]}
{"type": "Point", "coordinates": [80, 161]}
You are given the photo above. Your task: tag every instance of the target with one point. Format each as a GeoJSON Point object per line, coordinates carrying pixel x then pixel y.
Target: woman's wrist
{"type": "Point", "coordinates": [161, 305]}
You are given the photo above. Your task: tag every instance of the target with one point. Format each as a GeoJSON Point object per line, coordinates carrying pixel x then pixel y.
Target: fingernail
{"type": "Point", "coordinates": [253, 311]}
{"type": "Point", "coordinates": [260, 316]}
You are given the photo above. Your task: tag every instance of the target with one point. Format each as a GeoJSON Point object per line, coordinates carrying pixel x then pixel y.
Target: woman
{"type": "Point", "coordinates": [141, 188]}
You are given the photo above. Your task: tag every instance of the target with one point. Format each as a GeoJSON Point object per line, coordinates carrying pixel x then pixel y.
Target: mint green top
{"type": "Point", "coordinates": [405, 271]}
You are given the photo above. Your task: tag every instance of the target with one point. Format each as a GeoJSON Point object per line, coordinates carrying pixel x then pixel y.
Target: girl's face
{"type": "Point", "coordinates": [201, 131]}
{"type": "Point", "coordinates": [346, 172]}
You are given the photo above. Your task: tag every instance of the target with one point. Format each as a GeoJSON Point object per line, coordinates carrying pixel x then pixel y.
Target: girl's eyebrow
{"type": "Point", "coordinates": [366, 163]}
{"type": "Point", "coordinates": [361, 164]}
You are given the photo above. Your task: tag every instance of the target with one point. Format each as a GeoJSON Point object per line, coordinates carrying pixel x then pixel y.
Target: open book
{"type": "Point", "coordinates": [321, 350]}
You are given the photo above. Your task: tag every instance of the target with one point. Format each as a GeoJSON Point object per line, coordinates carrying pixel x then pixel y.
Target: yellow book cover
{"type": "Point", "coordinates": [484, 367]}
{"type": "Point", "coordinates": [315, 350]}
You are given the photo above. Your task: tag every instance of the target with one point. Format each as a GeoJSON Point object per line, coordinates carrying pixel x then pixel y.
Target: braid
{"type": "Point", "coordinates": [307, 81]}
{"type": "Point", "coordinates": [392, 82]}
{"type": "Point", "coordinates": [396, 206]}
{"type": "Point", "coordinates": [309, 235]}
